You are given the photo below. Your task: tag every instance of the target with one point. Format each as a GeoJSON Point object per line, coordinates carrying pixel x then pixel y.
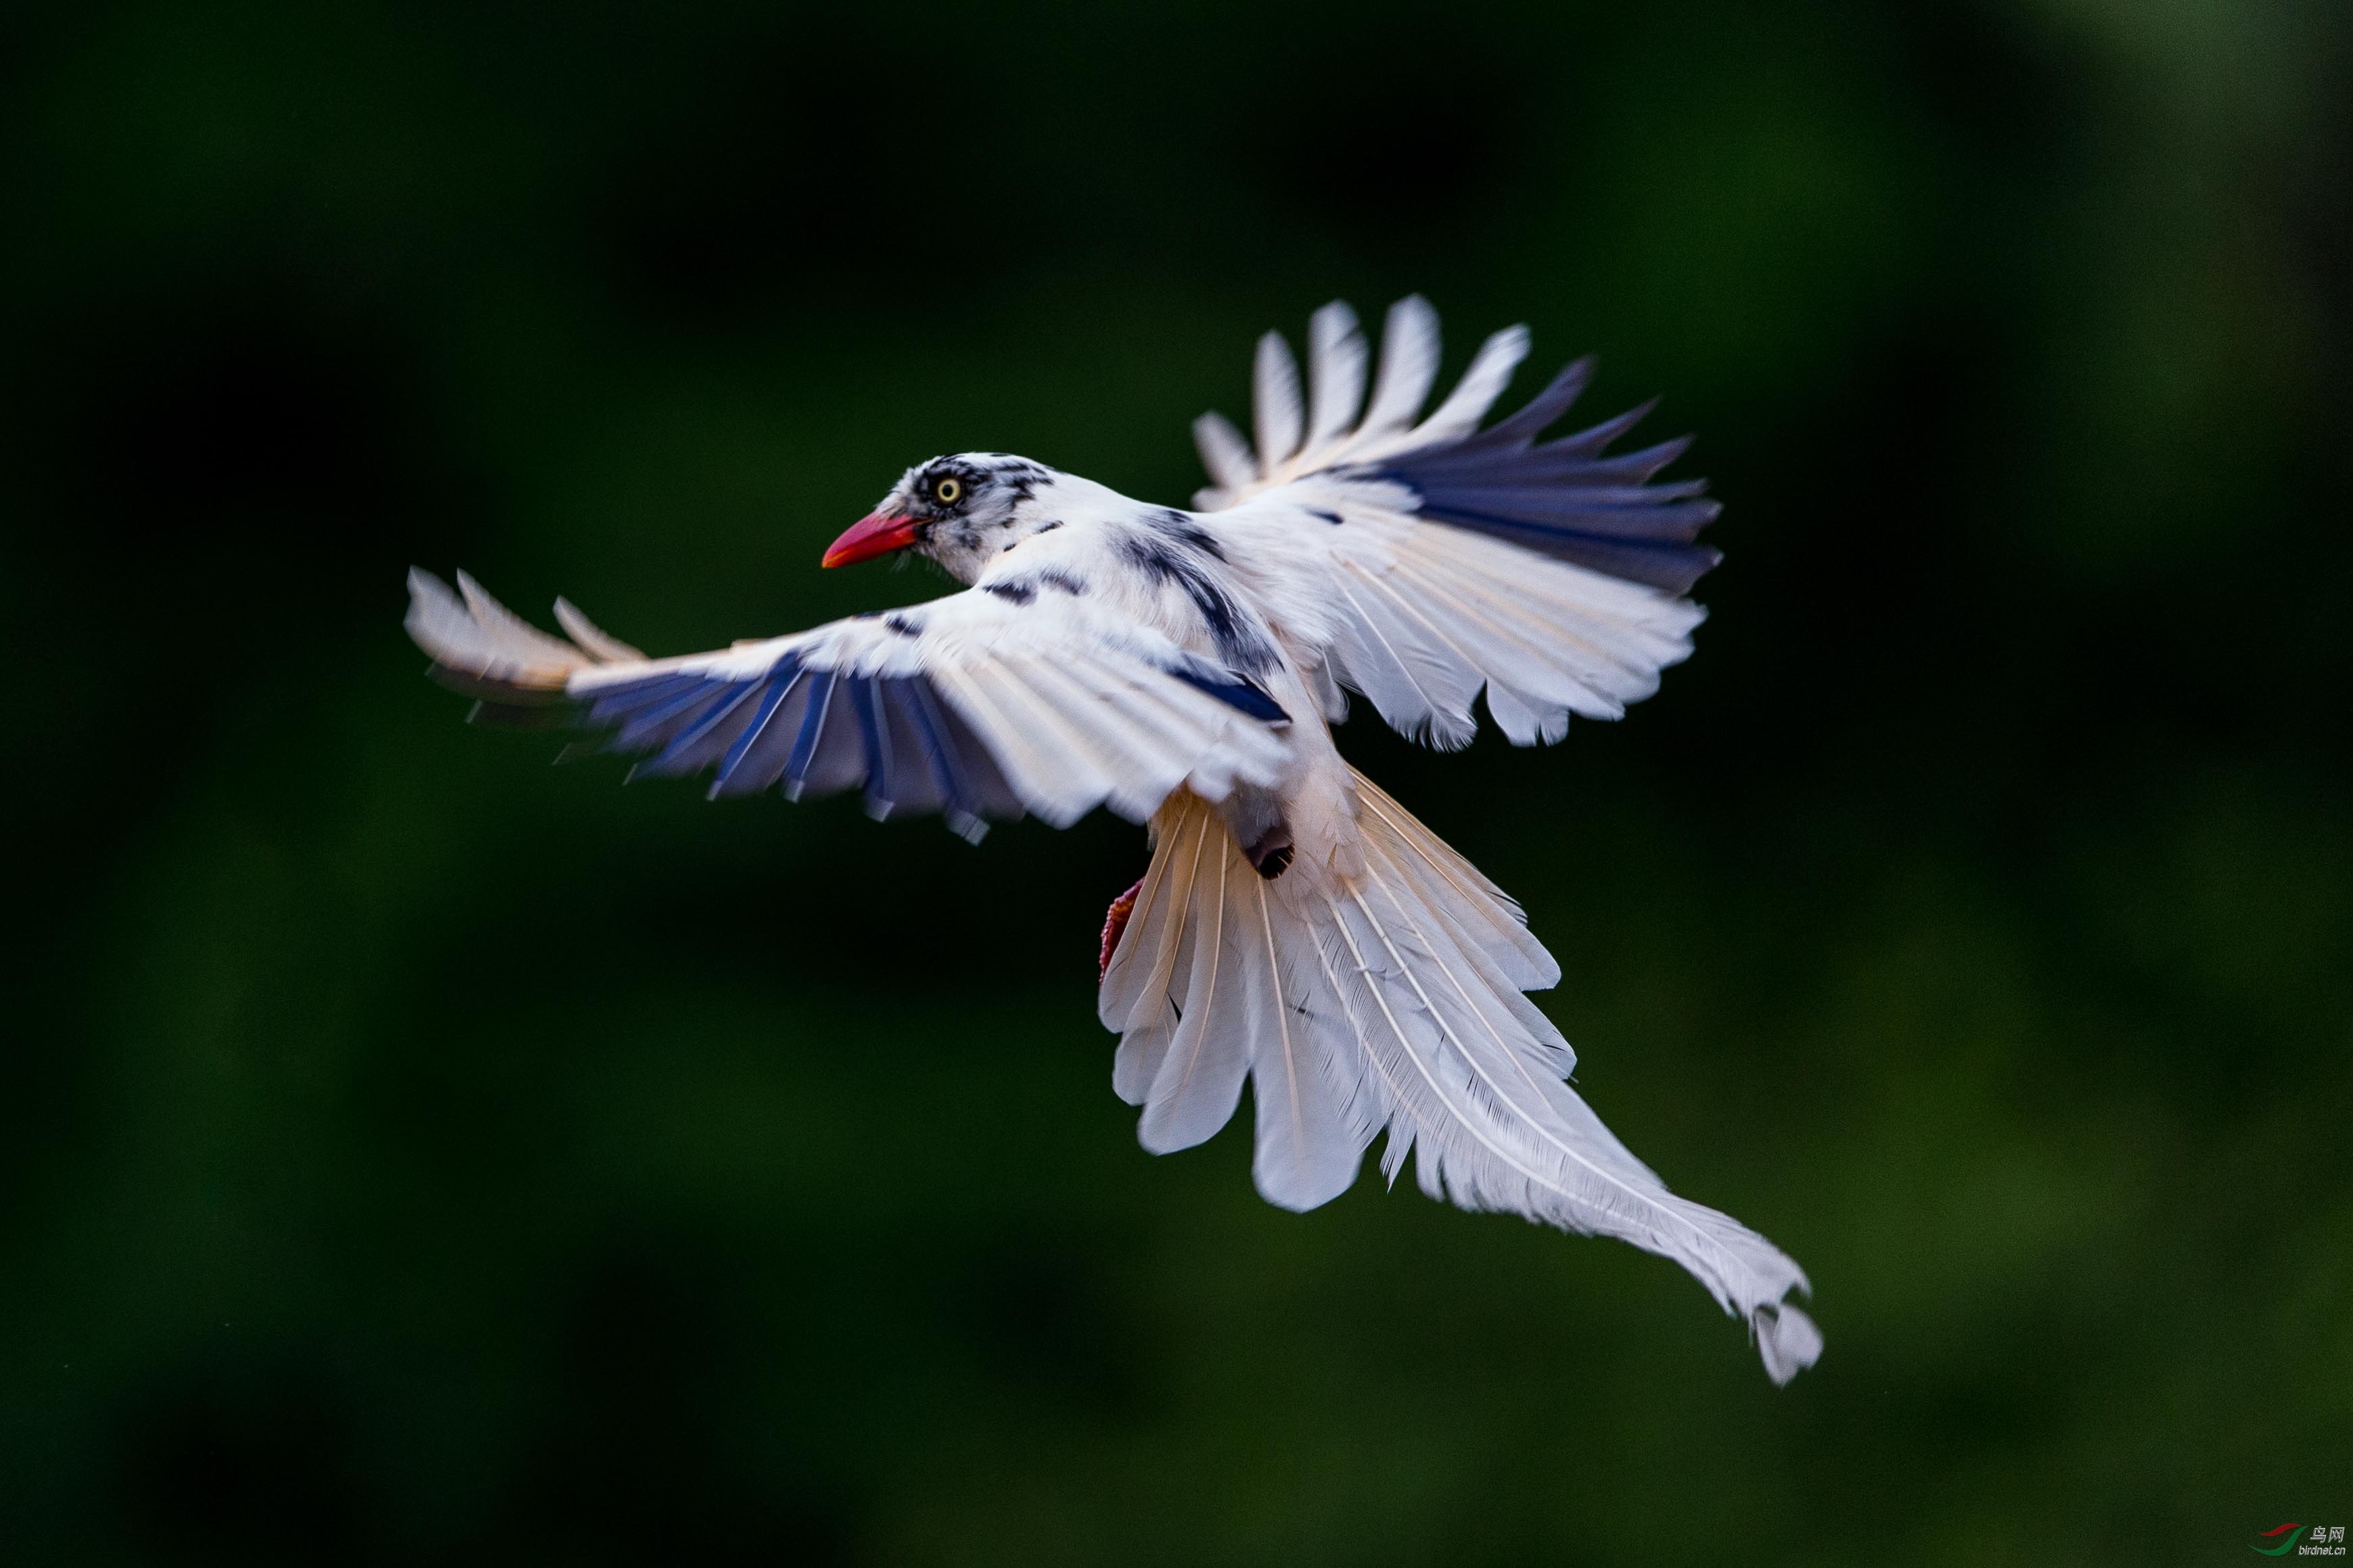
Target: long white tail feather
{"type": "Point", "coordinates": [1477, 904]}
{"type": "Point", "coordinates": [1207, 1056]}
{"type": "Point", "coordinates": [1392, 1002]}
{"type": "Point", "coordinates": [1308, 1145]}
{"type": "Point", "coordinates": [1146, 963]}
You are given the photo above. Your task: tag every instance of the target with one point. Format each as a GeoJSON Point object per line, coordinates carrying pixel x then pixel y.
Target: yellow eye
{"type": "Point", "coordinates": [947, 492]}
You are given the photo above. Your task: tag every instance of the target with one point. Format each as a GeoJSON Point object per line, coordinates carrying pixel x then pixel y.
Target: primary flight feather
{"type": "Point", "coordinates": [1297, 928]}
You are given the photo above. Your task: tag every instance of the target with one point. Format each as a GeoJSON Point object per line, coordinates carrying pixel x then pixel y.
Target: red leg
{"type": "Point", "coordinates": [1116, 925]}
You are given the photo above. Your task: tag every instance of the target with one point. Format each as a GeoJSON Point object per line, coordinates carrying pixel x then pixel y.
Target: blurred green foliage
{"type": "Point", "coordinates": [415, 1154]}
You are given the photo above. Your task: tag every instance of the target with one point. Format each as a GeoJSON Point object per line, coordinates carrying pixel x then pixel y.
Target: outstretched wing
{"type": "Point", "coordinates": [1424, 560]}
{"type": "Point", "coordinates": [961, 705]}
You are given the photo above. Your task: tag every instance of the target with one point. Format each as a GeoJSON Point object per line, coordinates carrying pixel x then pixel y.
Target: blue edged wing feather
{"type": "Point", "coordinates": [813, 715]}
{"type": "Point", "coordinates": [812, 732]}
{"type": "Point", "coordinates": [718, 722]}
{"type": "Point", "coordinates": [909, 782]}
{"type": "Point", "coordinates": [1547, 463]}
{"type": "Point", "coordinates": [644, 717]}
{"type": "Point", "coordinates": [1546, 406]}
{"type": "Point", "coordinates": [1564, 498]}
{"type": "Point", "coordinates": [757, 759]}
{"type": "Point", "coordinates": [922, 758]}
{"type": "Point", "coordinates": [967, 776]}
{"type": "Point", "coordinates": [829, 756]}
{"type": "Point", "coordinates": [865, 700]}
{"type": "Point", "coordinates": [1242, 696]}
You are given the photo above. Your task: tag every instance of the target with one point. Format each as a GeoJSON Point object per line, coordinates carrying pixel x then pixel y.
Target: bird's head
{"type": "Point", "coordinates": [962, 512]}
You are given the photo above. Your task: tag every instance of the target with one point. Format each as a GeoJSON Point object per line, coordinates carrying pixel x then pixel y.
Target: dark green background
{"type": "Point", "coordinates": [412, 1154]}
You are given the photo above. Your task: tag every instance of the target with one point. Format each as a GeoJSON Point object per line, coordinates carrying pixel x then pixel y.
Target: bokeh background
{"type": "Point", "coordinates": [413, 1154]}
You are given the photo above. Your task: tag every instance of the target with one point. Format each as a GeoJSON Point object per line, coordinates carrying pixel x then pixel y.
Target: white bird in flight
{"type": "Point", "coordinates": [1297, 928]}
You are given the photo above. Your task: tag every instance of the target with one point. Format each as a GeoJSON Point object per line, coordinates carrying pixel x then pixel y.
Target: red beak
{"type": "Point", "coordinates": [871, 536]}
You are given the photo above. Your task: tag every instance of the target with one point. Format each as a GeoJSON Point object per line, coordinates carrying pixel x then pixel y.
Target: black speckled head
{"type": "Point", "coordinates": [968, 507]}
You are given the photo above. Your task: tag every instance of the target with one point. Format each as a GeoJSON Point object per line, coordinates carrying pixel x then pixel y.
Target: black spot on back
{"type": "Point", "coordinates": [1182, 528]}
{"type": "Point", "coordinates": [1166, 555]}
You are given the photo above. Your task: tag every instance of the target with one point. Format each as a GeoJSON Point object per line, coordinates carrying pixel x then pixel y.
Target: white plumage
{"type": "Point", "coordinates": [1297, 930]}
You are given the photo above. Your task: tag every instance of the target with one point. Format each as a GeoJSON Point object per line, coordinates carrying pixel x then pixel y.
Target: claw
{"type": "Point", "coordinates": [1116, 925]}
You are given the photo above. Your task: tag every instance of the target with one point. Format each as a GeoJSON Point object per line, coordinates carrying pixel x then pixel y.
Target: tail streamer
{"type": "Point", "coordinates": [1391, 1002]}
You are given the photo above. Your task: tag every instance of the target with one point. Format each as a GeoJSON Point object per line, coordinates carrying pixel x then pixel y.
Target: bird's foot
{"type": "Point", "coordinates": [1116, 925]}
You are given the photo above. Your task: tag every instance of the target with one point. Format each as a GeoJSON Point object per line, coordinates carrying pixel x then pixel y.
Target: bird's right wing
{"type": "Point", "coordinates": [1420, 559]}
{"type": "Point", "coordinates": [971, 705]}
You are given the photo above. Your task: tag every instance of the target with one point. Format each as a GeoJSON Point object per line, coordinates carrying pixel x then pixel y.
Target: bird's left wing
{"type": "Point", "coordinates": [970, 705]}
{"type": "Point", "coordinates": [1417, 559]}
